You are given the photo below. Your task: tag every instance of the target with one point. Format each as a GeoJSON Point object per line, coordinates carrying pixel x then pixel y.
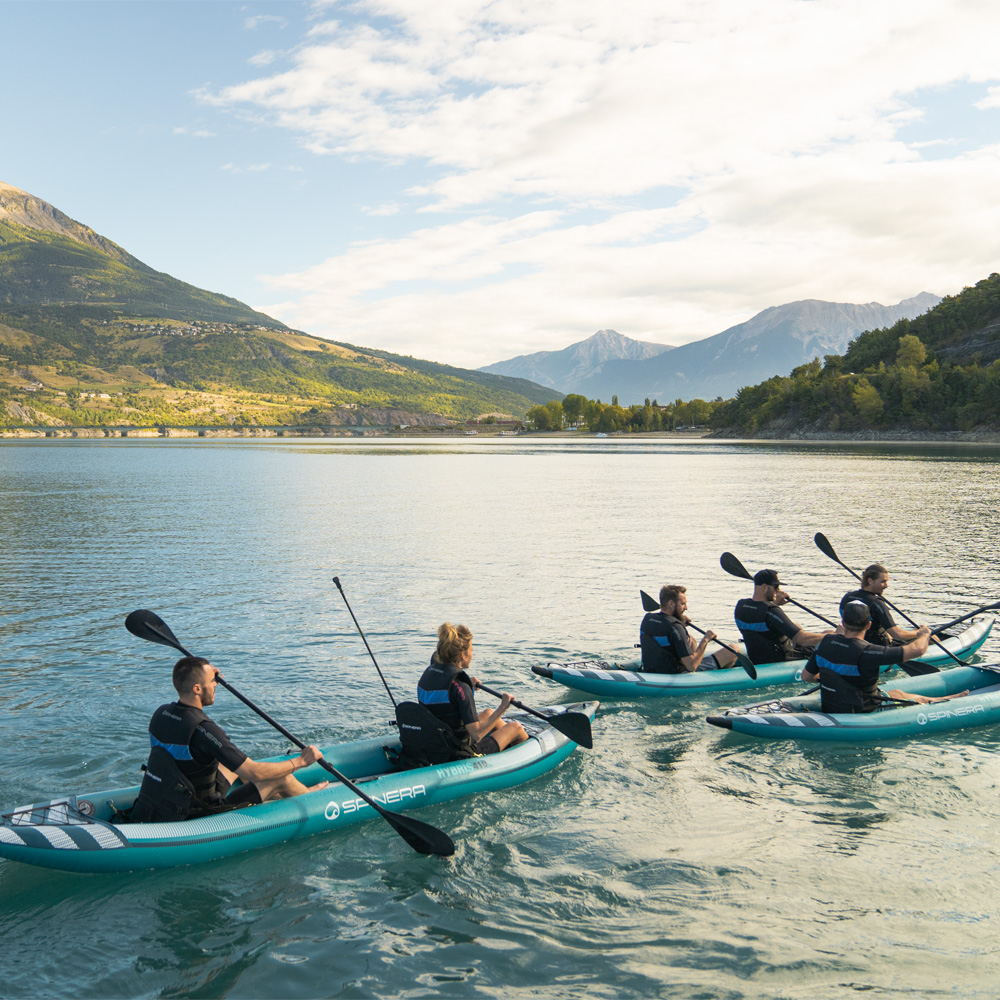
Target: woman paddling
{"type": "Point", "coordinates": [446, 690]}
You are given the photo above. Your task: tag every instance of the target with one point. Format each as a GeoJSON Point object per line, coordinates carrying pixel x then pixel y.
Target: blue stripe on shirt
{"type": "Point", "coordinates": [176, 750]}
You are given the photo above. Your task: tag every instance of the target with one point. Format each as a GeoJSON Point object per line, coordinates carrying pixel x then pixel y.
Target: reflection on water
{"type": "Point", "coordinates": [672, 860]}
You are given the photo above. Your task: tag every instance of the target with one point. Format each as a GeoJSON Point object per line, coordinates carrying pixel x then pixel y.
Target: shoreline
{"type": "Point", "coordinates": [979, 437]}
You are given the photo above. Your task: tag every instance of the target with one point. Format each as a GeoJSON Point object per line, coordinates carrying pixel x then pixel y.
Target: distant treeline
{"type": "Point", "coordinates": [577, 410]}
{"type": "Point", "coordinates": [938, 372]}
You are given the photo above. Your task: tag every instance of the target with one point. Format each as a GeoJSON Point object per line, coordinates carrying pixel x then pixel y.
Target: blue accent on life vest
{"type": "Point", "coordinates": [426, 697]}
{"type": "Point", "coordinates": [844, 669]}
{"type": "Point", "coordinates": [752, 626]}
{"type": "Point", "coordinates": [176, 750]}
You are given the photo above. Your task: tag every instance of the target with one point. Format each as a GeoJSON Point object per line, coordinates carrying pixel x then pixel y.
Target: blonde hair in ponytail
{"type": "Point", "coordinates": [453, 643]}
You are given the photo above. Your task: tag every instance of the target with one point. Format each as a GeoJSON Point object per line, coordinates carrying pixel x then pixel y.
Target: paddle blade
{"type": "Point", "coordinates": [823, 544]}
{"type": "Point", "coordinates": [151, 627]}
{"type": "Point", "coordinates": [748, 667]}
{"type": "Point", "coordinates": [575, 726]}
{"type": "Point", "coordinates": [733, 566]}
{"type": "Point", "coordinates": [422, 837]}
{"type": "Point", "coordinates": [915, 669]}
{"type": "Point", "coordinates": [649, 603]}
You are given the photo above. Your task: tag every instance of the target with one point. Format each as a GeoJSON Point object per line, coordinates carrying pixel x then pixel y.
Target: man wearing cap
{"type": "Point", "coordinates": [883, 630]}
{"type": "Point", "coordinates": [667, 647]}
{"type": "Point", "coordinates": [848, 667]}
{"type": "Point", "coordinates": [769, 634]}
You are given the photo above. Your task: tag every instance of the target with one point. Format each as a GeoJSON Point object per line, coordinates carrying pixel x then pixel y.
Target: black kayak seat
{"type": "Point", "coordinates": [839, 696]}
{"type": "Point", "coordinates": [424, 739]}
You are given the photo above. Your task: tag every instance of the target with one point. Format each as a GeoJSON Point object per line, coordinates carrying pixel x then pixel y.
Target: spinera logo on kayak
{"type": "Point", "coordinates": [353, 805]}
{"type": "Point", "coordinates": [949, 713]}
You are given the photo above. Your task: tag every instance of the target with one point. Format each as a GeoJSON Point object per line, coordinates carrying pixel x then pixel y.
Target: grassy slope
{"type": "Point", "coordinates": [83, 315]}
{"type": "Point", "coordinates": [42, 268]}
{"type": "Point", "coordinates": [244, 372]}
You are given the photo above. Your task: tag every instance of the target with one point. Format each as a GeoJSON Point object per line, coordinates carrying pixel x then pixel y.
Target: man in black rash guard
{"type": "Point", "coordinates": [770, 635]}
{"type": "Point", "coordinates": [848, 667]}
{"type": "Point", "coordinates": [883, 630]}
{"type": "Point", "coordinates": [203, 754]}
{"type": "Point", "coordinates": [666, 646]}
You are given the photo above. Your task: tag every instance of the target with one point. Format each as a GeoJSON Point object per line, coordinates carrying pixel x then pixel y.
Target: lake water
{"type": "Point", "coordinates": [673, 860]}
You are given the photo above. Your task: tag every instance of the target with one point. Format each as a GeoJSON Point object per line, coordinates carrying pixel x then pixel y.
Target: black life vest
{"type": "Point", "coordinates": [175, 786]}
{"type": "Point", "coordinates": [433, 692]}
{"type": "Point", "coordinates": [876, 634]}
{"type": "Point", "coordinates": [659, 657]}
{"type": "Point", "coordinates": [763, 643]}
{"type": "Point", "coordinates": [843, 687]}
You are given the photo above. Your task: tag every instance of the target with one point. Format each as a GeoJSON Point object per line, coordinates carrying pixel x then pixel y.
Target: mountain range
{"type": "Point", "coordinates": [573, 364]}
{"type": "Point", "coordinates": [773, 342]}
{"type": "Point", "coordinates": [89, 334]}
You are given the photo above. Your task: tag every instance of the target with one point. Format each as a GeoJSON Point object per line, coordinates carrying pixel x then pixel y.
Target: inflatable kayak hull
{"type": "Point", "coordinates": [608, 679]}
{"type": "Point", "coordinates": [73, 833]}
{"type": "Point", "coordinates": [799, 718]}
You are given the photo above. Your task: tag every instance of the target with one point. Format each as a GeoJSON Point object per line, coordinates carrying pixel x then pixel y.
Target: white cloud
{"type": "Point", "coordinates": [730, 156]}
{"type": "Point", "coordinates": [249, 168]}
{"type": "Point", "coordinates": [197, 133]}
{"type": "Point", "coordinates": [256, 21]}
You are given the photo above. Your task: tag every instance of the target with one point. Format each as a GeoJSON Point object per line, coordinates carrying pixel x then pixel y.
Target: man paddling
{"type": "Point", "coordinates": [848, 667]}
{"type": "Point", "coordinates": [667, 647]}
{"type": "Point", "coordinates": [193, 763]}
{"type": "Point", "coordinates": [883, 630]}
{"type": "Point", "coordinates": [769, 634]}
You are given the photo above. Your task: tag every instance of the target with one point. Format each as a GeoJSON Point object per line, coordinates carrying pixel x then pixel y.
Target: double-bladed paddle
{"type": "Point", "coordinates": [422, 837]}
{"type": "Point", "coordinates": [650, 603]}
{"type": "Point", "coordinates": [823, 544]}
{"type": "Point", "coordinates": [574, 725]}
{"type": "Point", "coordinates": [734, 567]}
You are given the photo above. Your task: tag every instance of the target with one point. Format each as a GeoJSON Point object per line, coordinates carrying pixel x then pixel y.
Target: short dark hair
{"type": "Point", "coordinates": [766, 577]}
{"type": "Point", "coordinates": [188, 672]}
{"type": "Point", "coordinates": [873, 572]}
{"type": "Point", "coordinates": [670, 593]}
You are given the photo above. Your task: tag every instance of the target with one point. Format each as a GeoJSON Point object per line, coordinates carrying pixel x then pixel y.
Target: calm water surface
{"type": "Point", "coordinates": [673, 860]}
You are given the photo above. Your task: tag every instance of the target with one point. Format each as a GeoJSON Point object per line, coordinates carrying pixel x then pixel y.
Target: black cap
{"type": "Point", "coordinates": [766, 577]}
{"type": "Point", "coordinates": [856, 614]}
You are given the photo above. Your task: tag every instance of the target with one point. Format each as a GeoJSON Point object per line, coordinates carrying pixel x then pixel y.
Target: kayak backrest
{"type": "Point", "coordinates": [424, 739]}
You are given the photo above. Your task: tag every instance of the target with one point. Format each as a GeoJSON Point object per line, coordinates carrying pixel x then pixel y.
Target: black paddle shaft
{"type": "Point", "coordinates": [734, 567]}
{"type": "Point", "coordinates": [422, 837]}
{"type": "Point", "coordinates": [364, 639]}
{"type": "Point", "coordinates": [575, 725]}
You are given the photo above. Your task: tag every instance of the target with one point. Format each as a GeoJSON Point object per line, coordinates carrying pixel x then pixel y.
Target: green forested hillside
{"type": "Point", "coordinates": [178, 371]}
{"type": "Point", "coordinates": [937, 373]}
{"type": "Point", "coordinates": [89, 334]}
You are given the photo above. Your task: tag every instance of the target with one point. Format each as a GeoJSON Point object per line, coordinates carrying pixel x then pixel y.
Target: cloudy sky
{"type": "Point", "coordinates": [466, 181]}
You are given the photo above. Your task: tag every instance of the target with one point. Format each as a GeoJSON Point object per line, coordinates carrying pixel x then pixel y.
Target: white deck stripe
{"type": "Point", "coordinates": [57, 838]}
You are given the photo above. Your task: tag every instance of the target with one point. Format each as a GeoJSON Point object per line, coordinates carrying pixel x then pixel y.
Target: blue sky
{"type": "Point", "coordinates": [467, 181]}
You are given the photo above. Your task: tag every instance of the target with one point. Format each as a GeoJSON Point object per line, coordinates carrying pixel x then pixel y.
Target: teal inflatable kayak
{"type": "Point", "coordinates": [799, 718]}
{"type": "Point", "coordinates": [609, 679]}
{"type": "Point", "coordinates": [74, 833]}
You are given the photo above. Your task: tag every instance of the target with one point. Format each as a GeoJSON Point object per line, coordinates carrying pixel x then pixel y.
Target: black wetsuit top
{"type": "Point", "coordinates": [767, 631]}
{"type": "Point", "coordinates": [447, 692]}
{"type": "Point", "coordinates": [854, 661]}
{"type": "Point", "coordinates": [882, 620]}
{"type": "Point", "coordinates": [197, 745]}
{"type": "Point", "coordinates": [664, 640]}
